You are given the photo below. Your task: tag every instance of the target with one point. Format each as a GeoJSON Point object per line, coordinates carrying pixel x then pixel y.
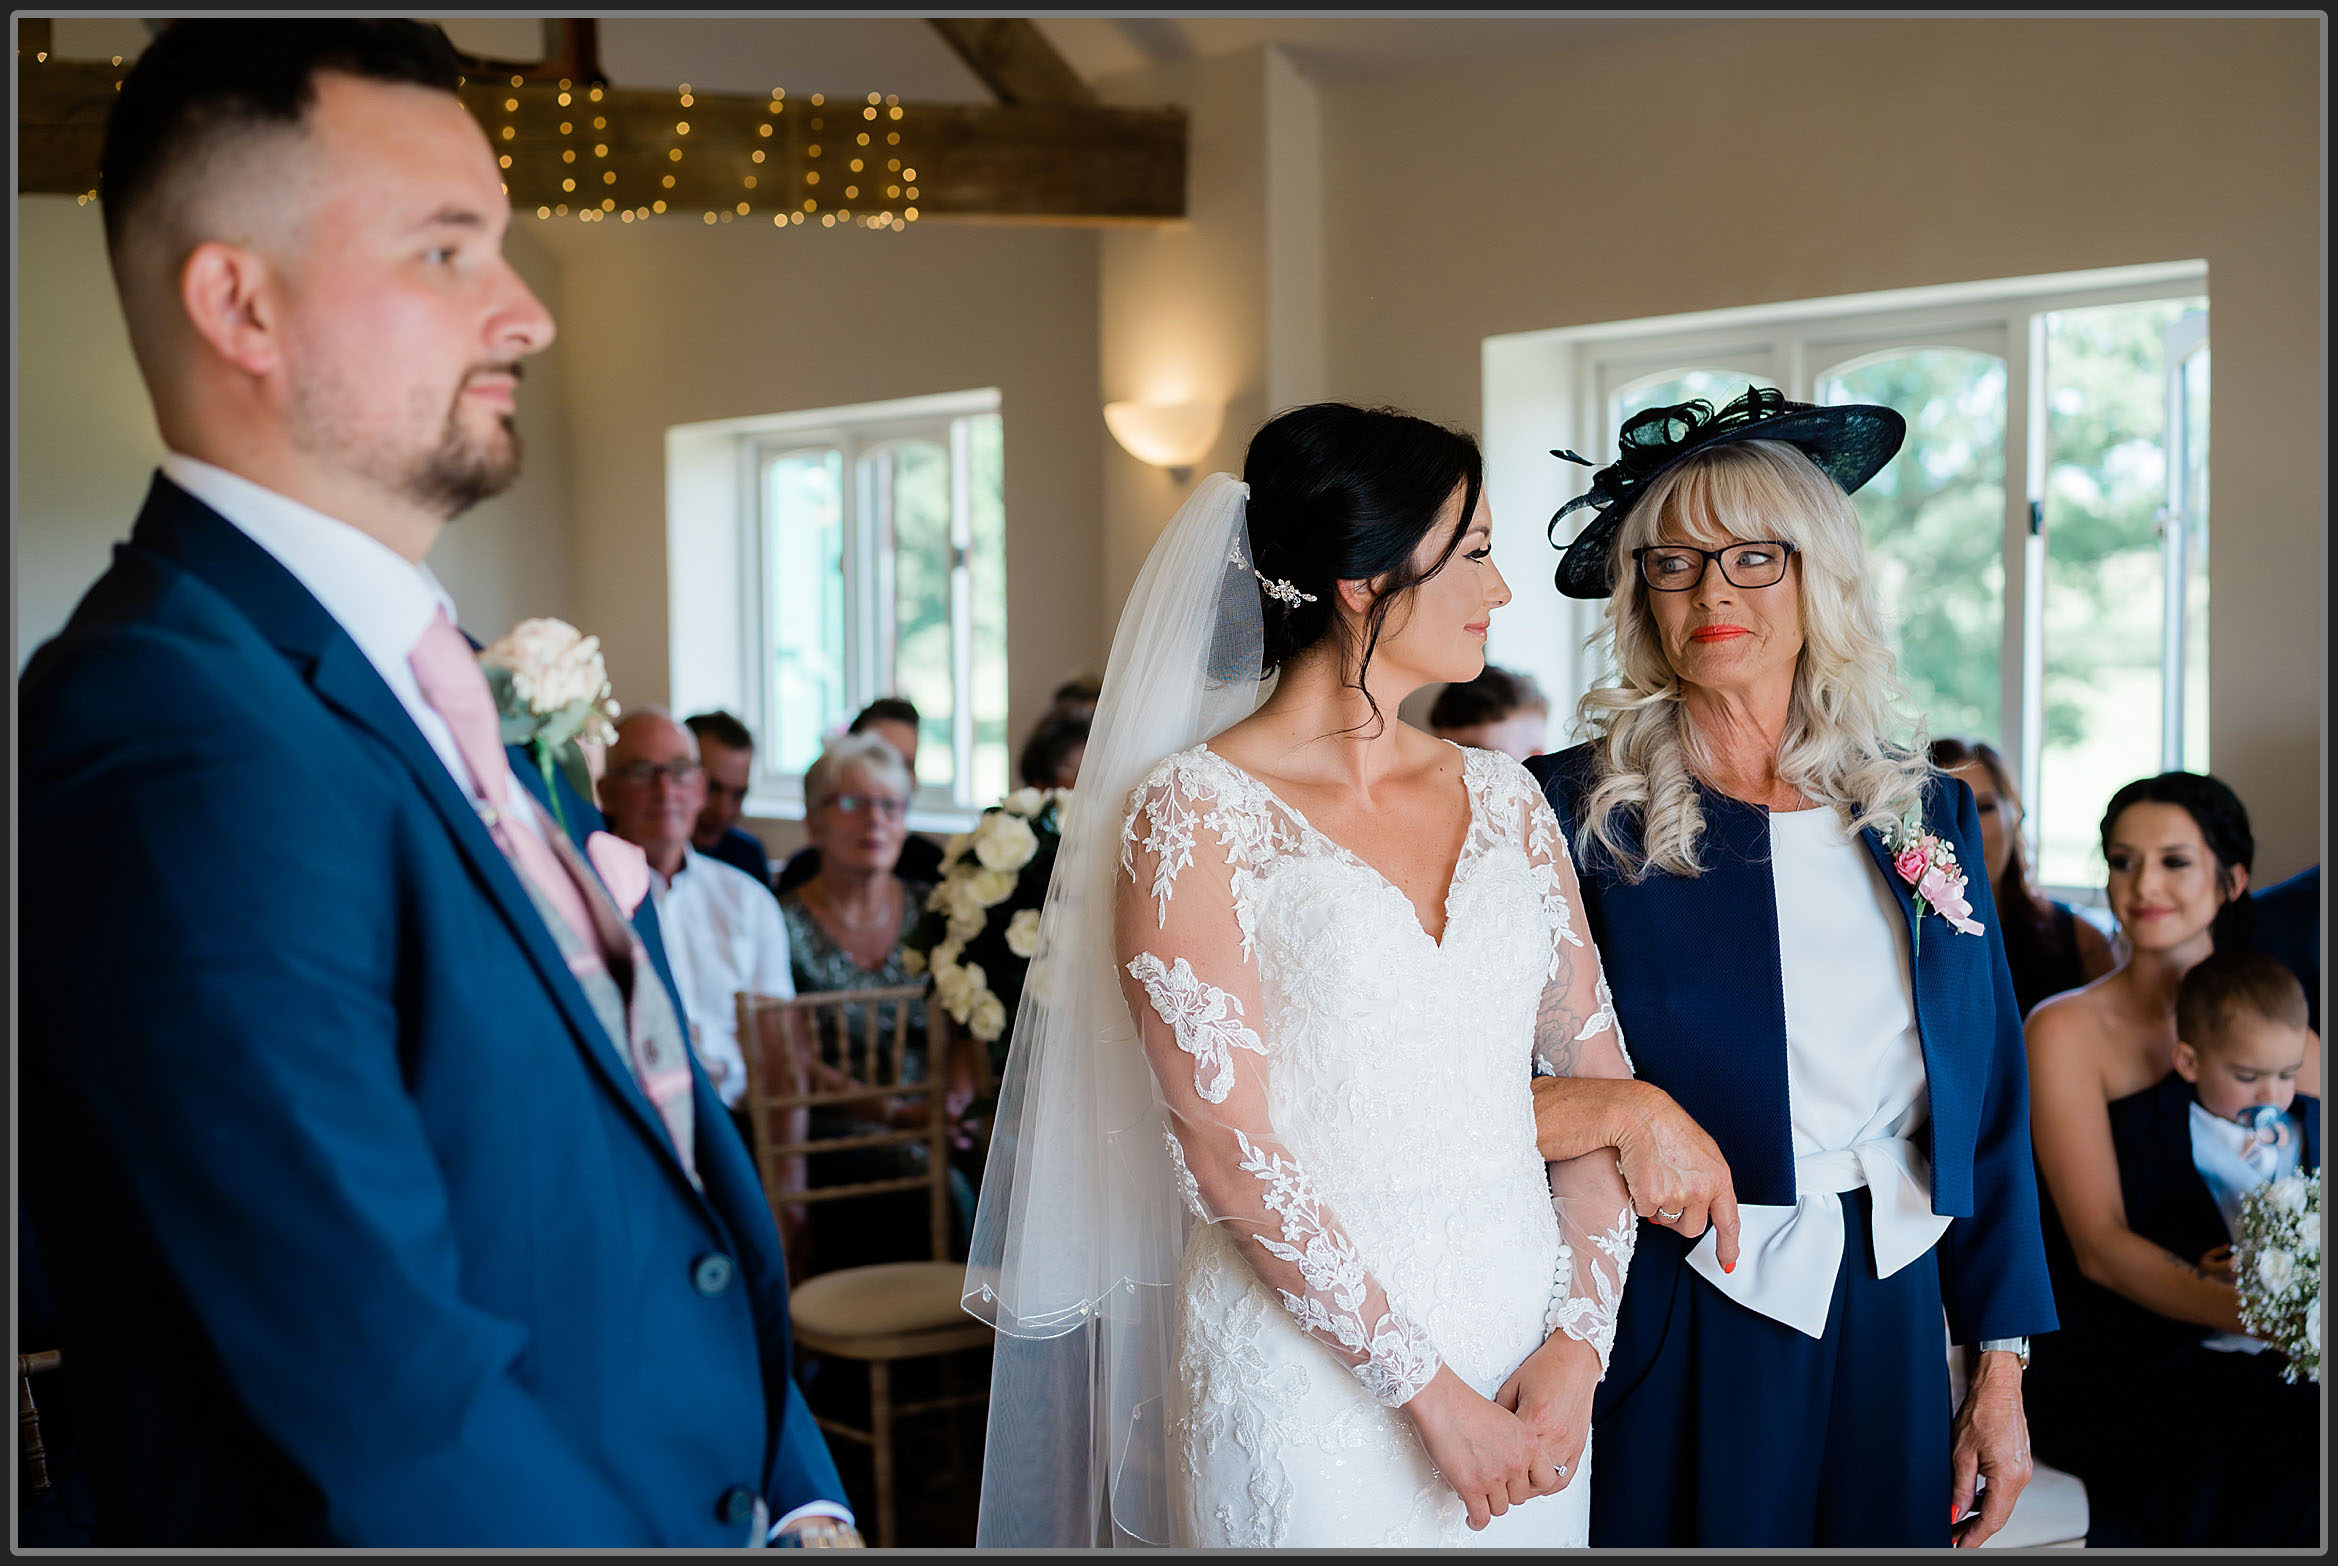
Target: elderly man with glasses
{"type": "Point", "coordinates": [723, 931]}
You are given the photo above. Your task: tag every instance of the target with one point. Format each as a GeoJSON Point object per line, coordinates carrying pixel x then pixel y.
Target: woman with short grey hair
{"type": "Point", "coordinates": [1775, 878]}
{"type": "Point", "coordinates": [844, 929]}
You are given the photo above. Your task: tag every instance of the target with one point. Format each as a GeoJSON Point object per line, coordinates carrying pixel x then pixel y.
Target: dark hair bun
{"type": "Point", "coordinates": [1340, 493]}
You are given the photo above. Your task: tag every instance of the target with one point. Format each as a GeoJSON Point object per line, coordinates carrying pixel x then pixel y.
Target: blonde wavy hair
{"type": "Point", "coordinates": [1847, 696]}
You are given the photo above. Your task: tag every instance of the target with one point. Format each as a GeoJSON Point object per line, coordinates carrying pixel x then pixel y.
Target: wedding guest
{"type": "Point", "coordinates": [2048, 947]}
{"type": "Point", "coordinates": [894, 720]}
{"type": "Point", "coordinates": [1051, 756]}
{"type": "Point", "coordinates": [1739, 813]}
{"type": "Point", "coordinates": [845, 925]}
{"type": "Point", "coordinates": [1076, 697]}
{"type": "Point", "coordinates": [1499, 710]}
{"type": "Point", "coordinates": [726, 749]}
{"type": "Point", "coordinates": [723, 932]}
{"type": "Point", "coordinates": [2289, 925]}
{"type": "Point", "coordinates": [2178, 847]}
{"type": "Point", "coordinates": [380, 1198]}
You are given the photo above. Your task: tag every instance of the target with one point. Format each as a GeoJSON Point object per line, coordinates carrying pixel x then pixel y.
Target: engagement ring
{"type": "Point", "coordinates": [1667, 1215]}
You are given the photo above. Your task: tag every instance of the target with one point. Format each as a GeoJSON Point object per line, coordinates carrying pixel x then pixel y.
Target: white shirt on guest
{"type": "Point", "coordinates": [723, 934]}
{"type": "Point", "coordinates": [383, 600]}
{"type": "Point", "coordinates": [1855, 1084]}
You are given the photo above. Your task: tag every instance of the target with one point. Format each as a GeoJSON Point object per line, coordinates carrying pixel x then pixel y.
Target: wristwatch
{"type": "Point", "coordinates": [818, 1533]}
{"type": "Point", "coordinates": [2019, 1348]}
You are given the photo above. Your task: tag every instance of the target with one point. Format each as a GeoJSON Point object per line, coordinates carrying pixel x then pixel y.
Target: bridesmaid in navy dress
{"type": "Point", "coordinates": [1805, 954]}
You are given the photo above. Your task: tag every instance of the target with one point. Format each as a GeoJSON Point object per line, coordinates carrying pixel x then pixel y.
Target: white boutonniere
{"type": "Point", "coordinates": [1927, 862]}
{"type": "Point", "coordinates": [552, 693]}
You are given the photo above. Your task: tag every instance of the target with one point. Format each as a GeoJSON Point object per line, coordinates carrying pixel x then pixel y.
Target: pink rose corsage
{"type": "Point", "coordinates": [1928, 864]}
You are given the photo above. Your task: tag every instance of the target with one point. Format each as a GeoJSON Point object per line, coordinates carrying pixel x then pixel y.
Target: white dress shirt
{"type": "Point", "coordinates": [1855, 1082]}
{"type": "Point", "coordinates": [723, 934]}
{"type": "Point", "coordinates": [382, 599]}
{"type": "Point", "coordinates": [385, 602]}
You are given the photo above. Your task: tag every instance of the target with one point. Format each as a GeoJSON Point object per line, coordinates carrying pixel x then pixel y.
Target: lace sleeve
{"type": "Point", "coordinates": [1191, 979]}
{"type": "Point", "coordinates": [1577, 1035]}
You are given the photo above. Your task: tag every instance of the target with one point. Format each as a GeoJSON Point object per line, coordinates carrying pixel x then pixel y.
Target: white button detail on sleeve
{"type": "Point", "coordinates": [1854, 1080]}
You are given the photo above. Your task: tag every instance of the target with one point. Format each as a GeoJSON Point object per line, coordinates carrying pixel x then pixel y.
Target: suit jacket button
{"type": "Point", "coordinates": [736, 1506]}
{"type": "Point", "coordinates": [711, 1274]}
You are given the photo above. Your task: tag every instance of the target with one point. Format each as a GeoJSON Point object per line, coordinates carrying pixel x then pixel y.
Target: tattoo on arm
{"type": "Point", "coordinates": [1556, 1022]}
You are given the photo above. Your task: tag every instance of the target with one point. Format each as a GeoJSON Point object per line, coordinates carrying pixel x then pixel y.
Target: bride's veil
{"type": "Point", "coordinates": [1080, 1229]}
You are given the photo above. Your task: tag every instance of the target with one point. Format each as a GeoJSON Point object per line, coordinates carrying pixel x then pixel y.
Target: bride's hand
{"type": "Point", "coordinates": [1485, 1452]}
{"type": "Point", "coordinates": [1551, 1395]}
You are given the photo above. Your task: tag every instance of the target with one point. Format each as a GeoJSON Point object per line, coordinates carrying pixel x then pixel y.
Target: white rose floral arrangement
{"type": "Point", "coordinates": [2277, 1261]}
{"type": "Point", "coordinates": [552, 694]}
{"type": "Point", "coordinates": [981, 922]}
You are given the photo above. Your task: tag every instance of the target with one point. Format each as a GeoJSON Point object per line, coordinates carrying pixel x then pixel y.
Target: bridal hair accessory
{"type": "Point", "coordinates": [1849, 442]}
{"type": "Point", "coordinates": [1274, 587]}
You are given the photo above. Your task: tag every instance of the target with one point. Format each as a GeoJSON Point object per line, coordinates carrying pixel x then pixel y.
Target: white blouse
{"type": "Point", "coordinates": [1854, 1080]}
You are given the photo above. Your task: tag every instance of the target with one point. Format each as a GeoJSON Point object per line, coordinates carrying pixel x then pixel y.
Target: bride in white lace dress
{"type": "Point", "coordinates": [1374, 1315]}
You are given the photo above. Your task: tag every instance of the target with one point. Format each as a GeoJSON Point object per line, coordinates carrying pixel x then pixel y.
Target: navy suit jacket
{"type": "Point", "coordinates": [1694, 967]}
{"type": "Point", "coordinates": [359, 1229]}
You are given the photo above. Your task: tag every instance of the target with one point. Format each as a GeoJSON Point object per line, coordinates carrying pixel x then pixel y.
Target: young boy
{"type": "Point", "coordinates": [2228, 1119]}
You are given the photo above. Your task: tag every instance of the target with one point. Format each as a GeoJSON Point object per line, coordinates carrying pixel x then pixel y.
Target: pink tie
{"type": "Point", "coordinates": [448, 672]}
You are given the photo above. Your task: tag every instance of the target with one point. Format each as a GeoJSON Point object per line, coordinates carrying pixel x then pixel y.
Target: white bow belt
{"type": "Point", "coordinates": [1788, 1257]}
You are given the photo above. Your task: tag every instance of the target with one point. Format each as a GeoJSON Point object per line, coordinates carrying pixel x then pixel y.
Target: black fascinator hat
{"type": "Point", "coordinates": [1850, 443]}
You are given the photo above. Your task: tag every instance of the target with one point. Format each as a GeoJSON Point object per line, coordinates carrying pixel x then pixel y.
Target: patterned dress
{"type": "Point", "coordinates": [1349, 1109]}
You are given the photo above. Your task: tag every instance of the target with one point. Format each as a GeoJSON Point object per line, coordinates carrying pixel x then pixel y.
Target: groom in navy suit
{"type": "Point", "coordinates": [381, 1202]}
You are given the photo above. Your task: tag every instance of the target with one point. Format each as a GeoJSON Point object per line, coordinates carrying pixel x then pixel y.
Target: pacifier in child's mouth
{"type": "Point", "coordinates": [2266, 1123]}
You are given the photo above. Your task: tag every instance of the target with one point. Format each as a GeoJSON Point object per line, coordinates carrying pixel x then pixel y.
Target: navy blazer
{"type": "Point", "coordinates": [1694, 967]}
{"type": "Point", "coordinates": [359, 1228]}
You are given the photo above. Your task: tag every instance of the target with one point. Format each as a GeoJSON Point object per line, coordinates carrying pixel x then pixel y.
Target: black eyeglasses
{"type": "Point", "coordinates": [681, 772]}
{"type": "Point", "coordinates": [1675, 568]}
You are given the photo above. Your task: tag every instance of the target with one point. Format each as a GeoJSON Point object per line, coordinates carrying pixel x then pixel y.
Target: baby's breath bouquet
{"type": "Point", "coordinates": [981, 922]}
{"type": "Point", "coordinates": [2277, 1261]}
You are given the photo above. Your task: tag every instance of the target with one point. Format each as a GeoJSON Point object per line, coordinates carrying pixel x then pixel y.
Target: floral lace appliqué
{"type": "Point", "coordinates": [1400, 1359]}
{"type": "Point", "coordinates": [1591, 1318]}
{"type": "Point", "coordinates": [1204, 1019]}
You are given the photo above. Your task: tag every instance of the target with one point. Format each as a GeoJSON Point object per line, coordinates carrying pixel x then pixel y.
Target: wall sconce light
{"type": "Point", "coordinates": [1167, 435]}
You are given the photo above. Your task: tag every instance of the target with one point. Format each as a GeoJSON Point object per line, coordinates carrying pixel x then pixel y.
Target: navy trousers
{"type": "Point", "coordinates": [1719, 1426]}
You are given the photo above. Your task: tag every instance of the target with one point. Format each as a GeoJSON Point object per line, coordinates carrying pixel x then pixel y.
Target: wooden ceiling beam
{"type": "Point", "coordinates": [1059, 163]}
{"type": "Point", "coordinates": [1013, 59]}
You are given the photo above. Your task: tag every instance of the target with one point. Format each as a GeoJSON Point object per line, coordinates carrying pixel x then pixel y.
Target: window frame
{"type": "Point", "coordinates": [1558, 382]}
{"type": "Point", "coordinates": [858, 433]}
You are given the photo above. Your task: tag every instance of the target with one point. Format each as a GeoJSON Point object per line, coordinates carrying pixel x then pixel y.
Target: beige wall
{"type": "Point", "coordinates": [86, 444]}
{"type": "Point", "coordinates": [1741, 162]}
{"type": "Point", "coordinates": [675, 323]}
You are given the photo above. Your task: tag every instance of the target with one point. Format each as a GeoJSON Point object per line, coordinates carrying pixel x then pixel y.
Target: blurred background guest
{"type": "Point", "coordinates": [1499, 710]}
{"type": "Point", "coordinates": [1076, 697]}
{"type": "Point", "coordinates": [844, 924]}
{"type": "Point", "coordinates": [726, 749]}
{"type": "Point", "coordinates": [2126, 1396]}
{"type": "Point", "coordinates": [1051, 756]}
{"type": "Point", "coordinates": [2289, 927]}
{"type": "Point", "coordinates": [894, 720]}
{"type": "Point", "coordinates": [723, 933]}
{"type": "Point", "coordinates": [2048, 947]}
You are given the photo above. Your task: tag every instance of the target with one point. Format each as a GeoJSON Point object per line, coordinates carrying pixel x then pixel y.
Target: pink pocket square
{"type": "Point", "coordinates": [624, 869]}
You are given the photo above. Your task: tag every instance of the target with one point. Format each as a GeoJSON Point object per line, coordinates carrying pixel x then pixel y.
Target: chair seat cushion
{"type": "Point", "coordinates": [882, 1301]}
